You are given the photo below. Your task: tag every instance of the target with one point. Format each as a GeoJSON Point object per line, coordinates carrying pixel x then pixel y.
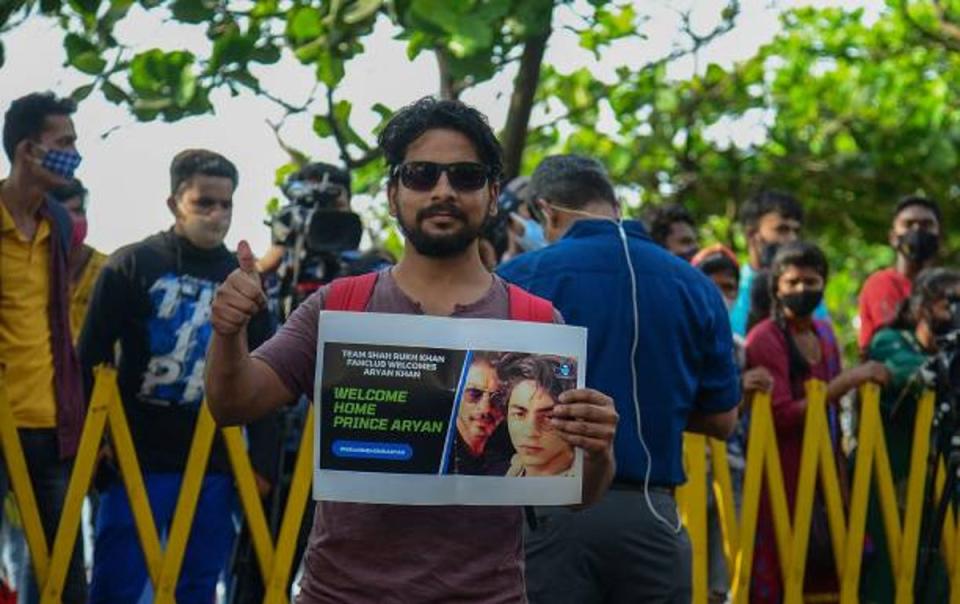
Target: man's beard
{"type": "Point", "coordinates": [440, 246]}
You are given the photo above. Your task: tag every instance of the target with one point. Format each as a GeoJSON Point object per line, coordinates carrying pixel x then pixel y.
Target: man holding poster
{"type": "Point", "coordinates": [444, 163]}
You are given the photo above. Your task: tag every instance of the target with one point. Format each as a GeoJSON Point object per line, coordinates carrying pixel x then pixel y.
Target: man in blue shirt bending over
{"type": "Point", "coordinates": [659, 342]}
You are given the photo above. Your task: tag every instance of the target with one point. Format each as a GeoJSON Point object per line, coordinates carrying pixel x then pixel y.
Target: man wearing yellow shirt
{"type": "Point", "coordinates": [40, 374]}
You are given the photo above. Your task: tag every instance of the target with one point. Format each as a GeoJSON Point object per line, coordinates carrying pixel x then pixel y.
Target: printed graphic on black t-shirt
{"type": "Point", "coordinates": [180, 331]}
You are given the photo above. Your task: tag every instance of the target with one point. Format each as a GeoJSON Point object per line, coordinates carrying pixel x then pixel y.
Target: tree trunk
{"type": "Point", "coordinates": [514, 136]}
{"type": "Point", "coordinates": [450, 88]}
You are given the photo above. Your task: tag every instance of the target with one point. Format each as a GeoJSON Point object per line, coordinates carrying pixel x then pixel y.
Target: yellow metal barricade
{"type": "Point", "coordinates": [163, 564]}
{"type": "Point", "coordinates": [846, 519]}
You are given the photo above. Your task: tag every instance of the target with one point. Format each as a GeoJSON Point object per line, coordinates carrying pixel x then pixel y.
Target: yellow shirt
{"type": "Point", "coordinates": [25, 348]}
{"type": "Point", "coordinates": [83, 291]}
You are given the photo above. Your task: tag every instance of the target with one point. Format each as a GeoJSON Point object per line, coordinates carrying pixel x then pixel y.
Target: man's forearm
{"type": "Point", "coordinates": [714, 425]}
{"type": "Point", "coordinates": [229, 387]}
{"type": "Point", "coordinates": [598, 474]}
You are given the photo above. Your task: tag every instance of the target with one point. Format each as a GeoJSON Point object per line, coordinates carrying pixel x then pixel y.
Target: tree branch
{"type": "Point", "coordinates": [349, 161]}
{"type": "Point", "coordinates": [730, 14]}
{"type": "Point", "coordinates": [525, 85]}
{"type": "Point", "coordinates": [450, 87]}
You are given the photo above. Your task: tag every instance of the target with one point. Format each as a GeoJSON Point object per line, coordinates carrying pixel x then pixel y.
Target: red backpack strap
{"type": "Point", "coordinates": [524, 306]}
{"type": "Point", "coordinates": [350, 293]}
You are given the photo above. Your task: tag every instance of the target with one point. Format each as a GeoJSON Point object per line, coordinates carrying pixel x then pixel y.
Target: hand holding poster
{"type": "Point", "coordinates": [433, 410]}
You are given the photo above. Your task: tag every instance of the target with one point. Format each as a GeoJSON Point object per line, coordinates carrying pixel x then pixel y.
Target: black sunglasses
{"type": "Point", "coordinates": [423, 175]}
{"type": "Point", "coordinates": [475, 395]}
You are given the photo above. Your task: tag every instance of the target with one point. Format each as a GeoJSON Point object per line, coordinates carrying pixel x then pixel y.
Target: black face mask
{"type": "Point", "coordinates": [918, 246]}
{"type": "Point", "coordinates": [802, 304]}
{"type": "Point", "coordinates": [767, 253]}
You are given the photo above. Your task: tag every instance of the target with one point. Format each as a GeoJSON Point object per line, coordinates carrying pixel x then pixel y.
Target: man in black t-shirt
{"type": "Point", "coordinates": [154, 299]}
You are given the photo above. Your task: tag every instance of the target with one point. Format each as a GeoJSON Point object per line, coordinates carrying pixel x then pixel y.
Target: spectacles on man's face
{"type": "Point", "coordinates": [475, 395]}
{"type": "Point", "coordinates": [464, 176]}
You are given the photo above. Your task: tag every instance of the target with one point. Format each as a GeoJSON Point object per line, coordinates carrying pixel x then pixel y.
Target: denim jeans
{"type": "Point", "coordinates": [50, 476]}
{"type": "Point", "coordinates": [119, 569]}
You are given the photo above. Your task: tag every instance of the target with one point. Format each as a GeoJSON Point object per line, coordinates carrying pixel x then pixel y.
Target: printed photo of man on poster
{"type": "Point", "coordinates": [482, 446]}
{"type": "Point", "coordinates": [534, 383]}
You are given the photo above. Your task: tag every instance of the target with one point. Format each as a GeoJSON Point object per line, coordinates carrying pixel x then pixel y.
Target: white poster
{"type": "Point", "coordinates": [439, 411]}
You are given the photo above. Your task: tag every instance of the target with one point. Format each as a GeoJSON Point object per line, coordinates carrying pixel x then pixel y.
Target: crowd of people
{"type": "Point", "coordinates": [680, 337]}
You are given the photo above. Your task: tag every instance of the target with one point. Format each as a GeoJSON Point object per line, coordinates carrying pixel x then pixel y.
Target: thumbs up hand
{"type": "Point", "coordinates": [239, 297]}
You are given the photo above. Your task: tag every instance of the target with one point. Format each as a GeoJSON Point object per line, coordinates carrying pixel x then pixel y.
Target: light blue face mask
{"type": "Point", "coordinates": [533, 237]}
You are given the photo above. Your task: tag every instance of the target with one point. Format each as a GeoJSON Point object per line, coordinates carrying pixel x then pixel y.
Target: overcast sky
{"type": "Point", "coordinates": [126, 171]}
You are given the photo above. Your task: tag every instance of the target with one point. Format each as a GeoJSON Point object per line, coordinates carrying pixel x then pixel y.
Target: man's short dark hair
{"type": "Point", "coordinates": [552, 373]}
{"type": "Point", "coordinates": [411, 122]}
{"type": "Point", "coordinates": [662, 218]}
{"type": "Point", "coordinates": [572, 181]}
{"type": "Point", "coordinates": [193, 162]}
{"type": "Point", "coordinates": [918, 200]}
{"type": "Point", "coordinates": [315, 171]}
{"type": "Point", "coordinates": [769, 202]}
{"type": "Point", "coordinates": [27, 117]}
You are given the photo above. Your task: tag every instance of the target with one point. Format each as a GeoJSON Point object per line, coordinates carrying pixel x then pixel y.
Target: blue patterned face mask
{"type": "Point", "coordinates": [61, 163]}
{"type": "Point", "coordinates": [533, 238]}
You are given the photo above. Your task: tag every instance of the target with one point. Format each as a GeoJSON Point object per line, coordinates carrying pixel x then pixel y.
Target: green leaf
{"type": "Point", "coordinates": [231, 47]}
{"type": "Point", "coordinates": [2, 58]}
{"type": "Point", "coordinates": [79, 94]}
{"type": "Point", "coordinates": [193, 11]}
{"type": "Point", "coordinates": [418, 42]}
{"type": "Point", "coordinates": [158, 75]}
{"type": "Point", "coordinates": [247, 79]}
{"type": "Point", "coordinates": [187, 87]}
{"type": "Point", "coordinates": [267, 54]}
{"type": "Point", "coordinates": [329, 70]}
{"type": "Point", "coordinates": [86, 7]}
{"type": "Point", "coordinates": [113, 93]}
{"type": "Point", "coordinates": [83, 54]}
{"type": "Point", "coordinates": [264, 8]}
{"type": "Point", "coordinates": [361, 10]}
{"type": "Point", "coordinates": [304, 24]}
{"type": "Point", "coordinates": [281, 174]}
{"type": "Point", "coordinates": [322, 127]}
{"type": "Point", "coordinates": [273, 206]}
{"type": "Point", "coordinates": [341, 111]}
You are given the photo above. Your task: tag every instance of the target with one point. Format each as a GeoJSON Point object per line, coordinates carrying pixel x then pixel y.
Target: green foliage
{"type": "Point", "coordinates": [845, 113]}
{"type": "Point", "coordinates": [851, 116]}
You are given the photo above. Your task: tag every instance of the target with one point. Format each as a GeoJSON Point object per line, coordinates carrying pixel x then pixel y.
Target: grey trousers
{"type": "Point", "coordinates": [615, 552]}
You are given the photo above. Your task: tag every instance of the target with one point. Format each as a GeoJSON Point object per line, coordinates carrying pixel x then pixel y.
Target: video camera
{"type": "Point", "coordinates": [946, 364]}
{"type": "Point", "coordinates": [319, 236]}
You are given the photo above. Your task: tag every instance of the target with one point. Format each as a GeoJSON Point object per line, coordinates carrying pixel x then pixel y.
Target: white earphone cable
{"type": "Point", "coordinates": [676, 528]}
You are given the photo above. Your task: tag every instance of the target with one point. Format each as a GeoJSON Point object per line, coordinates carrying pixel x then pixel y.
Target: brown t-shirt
{"type": "Point", "coordinates": [362, 553]}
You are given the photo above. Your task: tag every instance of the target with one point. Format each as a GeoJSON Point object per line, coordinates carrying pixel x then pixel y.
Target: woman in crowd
{"type": "Point", "coordinates": [795, 348]}
{"type": "Point", "coordinates": [904, 347]}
